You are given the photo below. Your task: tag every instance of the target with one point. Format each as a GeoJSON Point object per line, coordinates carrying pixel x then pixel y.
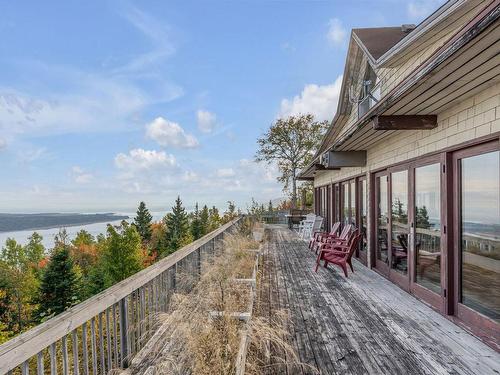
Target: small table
{"type": "Point", "coordinates": [294, 219]}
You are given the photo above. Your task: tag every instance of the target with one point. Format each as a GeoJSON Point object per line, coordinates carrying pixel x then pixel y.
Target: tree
{"type": "Point", "coordinates": [270, 207]}
{"type": "Point", "coordinates": [290, 143]}
{"type": "Point", "coordinates": [83, 251]}
{"type": "Point", "coordinates": [60, 287]}
{"type": "Point", "coordinates": [34, 249]}
{"type": "Point", "coordinates": [204, 220]}
{"type": "Point", "coordinates": [122, 256]}
{"type": "Point", "coordinates": [196, 228]}
{"type": "Point", "coordinates": [214, 219]}
{"type": "Point", "coordinates": [230, 213]}
{"type": "Point", "coordinates": [143, 221]}
{"type": "Point", "coordinates": [178, 233]}
{"type": "Point", "coordinates": [19, 283]}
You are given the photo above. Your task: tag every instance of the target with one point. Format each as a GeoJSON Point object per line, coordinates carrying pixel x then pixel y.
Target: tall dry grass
{"type": "Point", "coordinates": [192, 341]}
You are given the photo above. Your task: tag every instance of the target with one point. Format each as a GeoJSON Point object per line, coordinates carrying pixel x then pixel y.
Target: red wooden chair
{"type": "Point", "coordinates": [330, 239]}
{"type": "Point", "coordinates": [319, 235]}
{"type": "Point", "coordinates": [340, 255]}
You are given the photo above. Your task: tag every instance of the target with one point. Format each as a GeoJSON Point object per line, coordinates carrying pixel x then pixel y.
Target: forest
{"type": "Point", "coordinates": [38, 283]}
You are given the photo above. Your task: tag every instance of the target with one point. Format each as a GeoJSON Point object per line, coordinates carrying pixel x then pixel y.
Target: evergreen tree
{"type": "Point", "coordinates": [230, 214]}
{"type": "Point", "coordinates": [214, 219]}
{"type": "Point", "coordinates": [143, 221]}
{"type": "Point", "coordinates": [178, 233]}
{"type": "Point", "coordinates": [60, 287]}
{"type": "Point", "coordinates": [204, 220]}
{"type": "Point", "coordinates": [270, 207]}
{"type": "Point", "coordinates": [196, 229]}
{"type": "Point", "coordinates": [122, 256]}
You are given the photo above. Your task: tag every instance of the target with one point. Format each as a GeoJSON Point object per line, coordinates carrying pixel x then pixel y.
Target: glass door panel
{"type": "Point", "coordinates": [345, 204]}
{"type": "Point", "coordinates": [399, 222]}
{"type": "Point", "coordinates": [480, 233]}
{"type": "Point", "coordinates": [382, 219]}
{"type": "Point", "coordinates": [352, 187]}
{"type": "Point", "coordinates": [362, 215]}
{"type": "Point", "coordinates": [428, 227]}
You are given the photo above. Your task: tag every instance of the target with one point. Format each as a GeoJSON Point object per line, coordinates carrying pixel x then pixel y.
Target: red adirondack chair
{"type": "Point", "coordinates": [330, 239]}
{"type": "Point", "coordinates": [319, 235]}
{"type": "Point", "coordinates": [340, 254]}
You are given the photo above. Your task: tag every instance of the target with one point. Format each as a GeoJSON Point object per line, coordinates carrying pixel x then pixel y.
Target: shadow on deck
{"type": "Point", "coordinates": [363, 324]}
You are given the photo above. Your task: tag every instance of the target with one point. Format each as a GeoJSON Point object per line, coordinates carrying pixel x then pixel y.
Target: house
{"type": "Point", "coordinates": [412, 158]}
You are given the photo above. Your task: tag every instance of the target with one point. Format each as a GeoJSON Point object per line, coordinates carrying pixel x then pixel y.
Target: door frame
{"type": "Point", "coordinates": [379, 265]}
{"type": "Point", "coordinates": [362, 255]}
{"type": "Point", "coordinates": [480, 324]}
{"type": "Point", "coordinates": [396, 277]}
{"type": "Point", "coordinates": [438, 301]}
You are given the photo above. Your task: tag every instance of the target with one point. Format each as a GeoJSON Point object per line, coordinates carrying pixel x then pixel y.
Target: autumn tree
{"type": "Point", "coordinates": [19, 284]}
{"type": "Point", "coordinates": [60, 287]}
{"type": "Point", "coordinates": [142, 222]}
{"type": "Point", "coordinates": [178, 233]}
{"type": "Point", "coordinates": [290, 143]}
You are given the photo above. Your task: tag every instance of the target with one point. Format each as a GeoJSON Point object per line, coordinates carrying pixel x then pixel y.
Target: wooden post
{"type": "Point", "coordinates": [85, 354]}
{"type": "Point", "coordinates": [39, 364]}
{"type": "Point", "coordinates": [124, 332]}
{"type": "Point", "coordinates": [74, 341]}
{"type": "Point", "coordinates": [303, 199]}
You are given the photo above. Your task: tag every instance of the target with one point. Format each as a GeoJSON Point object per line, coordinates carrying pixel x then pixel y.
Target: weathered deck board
{"type": "Point", "coordinates": [363, 324]}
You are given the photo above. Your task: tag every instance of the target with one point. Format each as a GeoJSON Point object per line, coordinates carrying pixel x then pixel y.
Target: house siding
{"type": "Point", "coordinates": [472, 118]}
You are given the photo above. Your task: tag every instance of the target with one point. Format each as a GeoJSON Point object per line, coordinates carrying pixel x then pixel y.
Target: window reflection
{"type": "Point", "coordinates": [345, 200]}
{"type": "Point", "coordinates": [362, 213]}
{"type": "Point", "coordinates": [399, 212]}
{"type": "Point", "coordinates": [352, 186]}
{"type": "Point", "coordinates": [480, 233]}
{"type": "Point", "coordinates": [428, 226]}
{"type": "Point", "coordinates": [382, 219]}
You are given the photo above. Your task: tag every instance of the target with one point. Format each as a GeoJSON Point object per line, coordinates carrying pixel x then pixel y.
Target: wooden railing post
{"type": "Point", "coordinates": [124, 332]}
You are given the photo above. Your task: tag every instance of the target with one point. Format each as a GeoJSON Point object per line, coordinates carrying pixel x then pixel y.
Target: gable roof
{"type": "Point", "coordinates": [376, 41]}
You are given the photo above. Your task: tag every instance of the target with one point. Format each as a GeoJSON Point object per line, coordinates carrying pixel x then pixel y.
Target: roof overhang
{"type": "Point", "coordinates": [467, 64]}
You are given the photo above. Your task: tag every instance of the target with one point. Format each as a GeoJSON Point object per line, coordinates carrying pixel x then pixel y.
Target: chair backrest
{"type": "Point", "coordinates": [318, 221]}
{"type": "Point", "coordinates": [353, 243]}
{"type": "Point", "coordinates": [335, 227]}
{"type": "Point", "coordinates": [310, 217]}
{"type": "Point", "coordinates": [345, 232]}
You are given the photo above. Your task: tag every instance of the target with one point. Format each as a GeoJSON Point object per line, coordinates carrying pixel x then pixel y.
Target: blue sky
{"type": "Point", "coordinates": [106, 103]}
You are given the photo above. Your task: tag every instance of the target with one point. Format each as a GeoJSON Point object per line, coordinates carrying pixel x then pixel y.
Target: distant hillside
{"type": "Point", "coordinates": [15, 222]}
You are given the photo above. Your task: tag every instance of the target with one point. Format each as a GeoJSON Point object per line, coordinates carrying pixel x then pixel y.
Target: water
{"type": "Point", "coordinates": [21, 236]}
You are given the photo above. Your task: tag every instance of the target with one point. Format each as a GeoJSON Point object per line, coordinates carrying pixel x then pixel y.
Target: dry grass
{"type": "Point", "coordinates": [189, 341]}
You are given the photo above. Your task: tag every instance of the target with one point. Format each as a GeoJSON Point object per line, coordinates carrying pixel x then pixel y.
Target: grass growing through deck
{"type": "Point", "coordinates": [192, 339]}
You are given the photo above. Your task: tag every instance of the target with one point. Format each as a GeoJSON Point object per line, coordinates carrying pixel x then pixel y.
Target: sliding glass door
{"type": "Point", "coordinates": [477, 239]}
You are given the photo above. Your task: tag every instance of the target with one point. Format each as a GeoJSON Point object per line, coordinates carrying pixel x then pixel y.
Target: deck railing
{"type": "Point", "coordinates": [107, 330]}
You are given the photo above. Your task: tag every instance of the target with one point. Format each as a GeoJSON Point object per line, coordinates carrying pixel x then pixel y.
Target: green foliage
{"type": "Point", "coordinates": [204, 220]}
{"type": "Point", "coordinates": [35, 251]}
{"type": "Point", "coordinates": [214, 219]}
{"type": "Point", "coordinates": [178, 233]}
{"type": "Point", "coordinates": [142, 222]}
{"type": "Point", "coordinates": [60, 287]}
{"type": "Point", "coordinates": [122, 255]}
{"type": "Point", "coordinates": [291, 143]}
{"type": "Point", "coordinates": [230, 213]}
{"type": "Point", "coordinates": [83, 238]}
{"type": "Point", "coordinates": [196, 227]}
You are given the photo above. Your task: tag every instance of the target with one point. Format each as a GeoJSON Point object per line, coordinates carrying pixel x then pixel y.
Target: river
{"type": "Point", "coordinates": [21, 236]}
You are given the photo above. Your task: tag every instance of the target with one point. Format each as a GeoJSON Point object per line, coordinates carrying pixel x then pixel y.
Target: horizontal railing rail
{"type": "Point", "coordinates": [105, 331]}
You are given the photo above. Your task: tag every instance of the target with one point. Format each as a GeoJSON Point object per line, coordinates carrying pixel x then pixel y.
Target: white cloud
{"type": "Point", "coordinates": [206, 121]}
{"type": "Point", "coordinates": [31, 154]}
{"type": "Point", "coordinates": [225, 172]}
{"type": "Point", "coordinates": [168, 133]}
{"type": "Point", "coordinates": [80, 176]}
{"type": "Point", "coordinates": [336, 32]}
{"type": "Point", "coordinates": [321, 101]}
{"type": "Point", "coordinates": [419, 9]}
{"type": "Point", "coordinates": [3, 144]}
{"type": "Point", "coordinates": [140, 159]}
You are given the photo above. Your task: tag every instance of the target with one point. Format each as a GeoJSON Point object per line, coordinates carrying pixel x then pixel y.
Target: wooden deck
{"type": "Point", "coordinates": [363, 324]}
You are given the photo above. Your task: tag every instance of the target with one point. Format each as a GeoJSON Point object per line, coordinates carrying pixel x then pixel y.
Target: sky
{"type": "Point", "coordinates": [107, 103]}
